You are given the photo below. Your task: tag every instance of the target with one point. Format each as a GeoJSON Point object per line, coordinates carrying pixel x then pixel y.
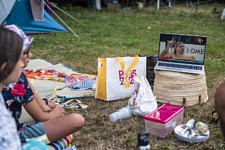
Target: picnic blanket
{"type": "Point", "coordinates": [47, 77]}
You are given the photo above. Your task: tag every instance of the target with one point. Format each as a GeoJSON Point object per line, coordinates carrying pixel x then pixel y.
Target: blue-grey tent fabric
{"type": "Point", "coordinates": [5, 8]}
{"type": "Point", "coordinates": [21, 16]}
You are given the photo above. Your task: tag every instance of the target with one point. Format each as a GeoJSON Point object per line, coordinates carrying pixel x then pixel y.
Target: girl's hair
{"type": "Point", "coordinates": [10, 51]}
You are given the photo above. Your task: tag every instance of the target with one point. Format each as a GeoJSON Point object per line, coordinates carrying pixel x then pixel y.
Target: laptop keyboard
{"type": "Point", "coordinates": [180, 66]}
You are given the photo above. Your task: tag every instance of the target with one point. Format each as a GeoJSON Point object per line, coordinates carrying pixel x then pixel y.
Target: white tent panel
{"type": "Point", "coordinates": [5, 8]}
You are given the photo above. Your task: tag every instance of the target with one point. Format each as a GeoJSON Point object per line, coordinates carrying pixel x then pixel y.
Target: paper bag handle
{"type": "Point", "coordinates": [132, 65]}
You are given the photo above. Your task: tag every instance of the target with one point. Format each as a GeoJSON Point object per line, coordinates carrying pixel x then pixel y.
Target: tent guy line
{"type": "Point", "coordinates": [62, 21]}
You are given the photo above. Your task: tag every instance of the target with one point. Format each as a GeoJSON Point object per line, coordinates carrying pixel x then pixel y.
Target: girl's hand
{"type": "Point", "coordinates": [46, 108]}
{"type": "Point", "coordinates": [57, 112]}
{"type": "Point", "coordinates": [171, 43]}
{"type": "Point", "coordinates": [51, 105]}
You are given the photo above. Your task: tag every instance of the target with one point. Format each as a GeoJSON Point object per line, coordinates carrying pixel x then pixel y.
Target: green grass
{"type": "Point", "coordinates": [110, 33]}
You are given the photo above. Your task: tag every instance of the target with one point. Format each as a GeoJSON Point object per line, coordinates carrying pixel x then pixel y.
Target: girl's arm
{"type": "Point", "coordinates": [165, 52]}
{"type": "Point", "coordinates": [34, 109]}
{"type": "Point", "coordinates": [45, 107]}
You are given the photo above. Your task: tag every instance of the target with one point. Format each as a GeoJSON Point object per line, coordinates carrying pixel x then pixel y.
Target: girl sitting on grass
{"type": "Point", "coordinates": [50, 118]}
{"type": "Point", "coordinates": [10, 69]}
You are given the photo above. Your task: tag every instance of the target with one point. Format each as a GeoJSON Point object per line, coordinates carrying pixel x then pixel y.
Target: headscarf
{"type": "Point", "coordinates": [27, 40]}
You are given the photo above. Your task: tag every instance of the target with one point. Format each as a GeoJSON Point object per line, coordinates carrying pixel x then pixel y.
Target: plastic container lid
{"type": "Point", "coordinates": [164, 113]}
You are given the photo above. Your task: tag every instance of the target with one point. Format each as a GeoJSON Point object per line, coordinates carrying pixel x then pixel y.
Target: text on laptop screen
{"type": "Point", "coordinates": [182, 48]}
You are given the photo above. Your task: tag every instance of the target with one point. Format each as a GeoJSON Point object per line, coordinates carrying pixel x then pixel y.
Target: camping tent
{"type": "Point", "coordinates": [19, 12]}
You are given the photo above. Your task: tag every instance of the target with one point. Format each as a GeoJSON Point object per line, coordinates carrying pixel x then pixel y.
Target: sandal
{"type": "Point", "coordinates": [74, 103]}
{"type": "Point", "coordinates": [53, 99]}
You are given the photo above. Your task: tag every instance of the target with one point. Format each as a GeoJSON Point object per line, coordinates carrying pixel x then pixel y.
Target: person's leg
{"type": "Point", "coordinates": [220, 105]}
{"type": "Point", "coordinates": [60, 127]}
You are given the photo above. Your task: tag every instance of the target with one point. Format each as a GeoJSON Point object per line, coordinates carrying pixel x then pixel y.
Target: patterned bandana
{"type": "Point", "coordinates": [27, 40]}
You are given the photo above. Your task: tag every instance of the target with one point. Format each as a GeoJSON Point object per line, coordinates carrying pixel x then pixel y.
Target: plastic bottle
{"type": "Point", "coordinates": [122, 113]}
{"type": "Point", "coordinates": [143, 143]}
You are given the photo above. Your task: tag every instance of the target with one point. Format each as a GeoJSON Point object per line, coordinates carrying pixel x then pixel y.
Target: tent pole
{"type": "Point", "coordinates": [62, 21]}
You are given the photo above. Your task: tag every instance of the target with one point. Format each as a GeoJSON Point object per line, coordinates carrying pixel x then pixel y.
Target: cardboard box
{"type": "Point", "coordinates": [164, 119]}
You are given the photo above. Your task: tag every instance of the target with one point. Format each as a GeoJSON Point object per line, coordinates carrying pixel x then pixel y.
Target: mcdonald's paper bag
{"type": "Point", "coordinates": [116, 76]}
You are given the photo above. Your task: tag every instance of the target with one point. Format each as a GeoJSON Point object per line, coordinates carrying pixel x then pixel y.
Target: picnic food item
{"type": "Point", "coordinates": [201, 127]}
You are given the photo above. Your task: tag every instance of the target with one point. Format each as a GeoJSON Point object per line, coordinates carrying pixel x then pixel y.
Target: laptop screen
{"type": "Point", "coordinates": [182, 48]}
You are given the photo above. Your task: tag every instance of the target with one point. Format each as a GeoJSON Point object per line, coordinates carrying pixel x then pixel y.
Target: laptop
{"type": "Point", "coordinates": [181, 53]}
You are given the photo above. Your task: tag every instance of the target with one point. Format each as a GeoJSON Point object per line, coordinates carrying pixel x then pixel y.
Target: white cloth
{"type": "Point", "coordinates": [142, 102]}
{"type": "Point", "coordinates": [9, 139]}
{"type": "Point", "coordinates": [37, 9]}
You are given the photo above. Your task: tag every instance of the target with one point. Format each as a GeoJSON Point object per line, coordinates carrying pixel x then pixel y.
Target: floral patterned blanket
{"type": "Point", "coordinates": [49, 77]}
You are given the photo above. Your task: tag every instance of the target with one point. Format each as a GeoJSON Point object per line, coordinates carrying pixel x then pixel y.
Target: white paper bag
{"type": "Point", "coordinates": [115, 76]}
{"type": "Point", "coordinates": [142, 102]}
